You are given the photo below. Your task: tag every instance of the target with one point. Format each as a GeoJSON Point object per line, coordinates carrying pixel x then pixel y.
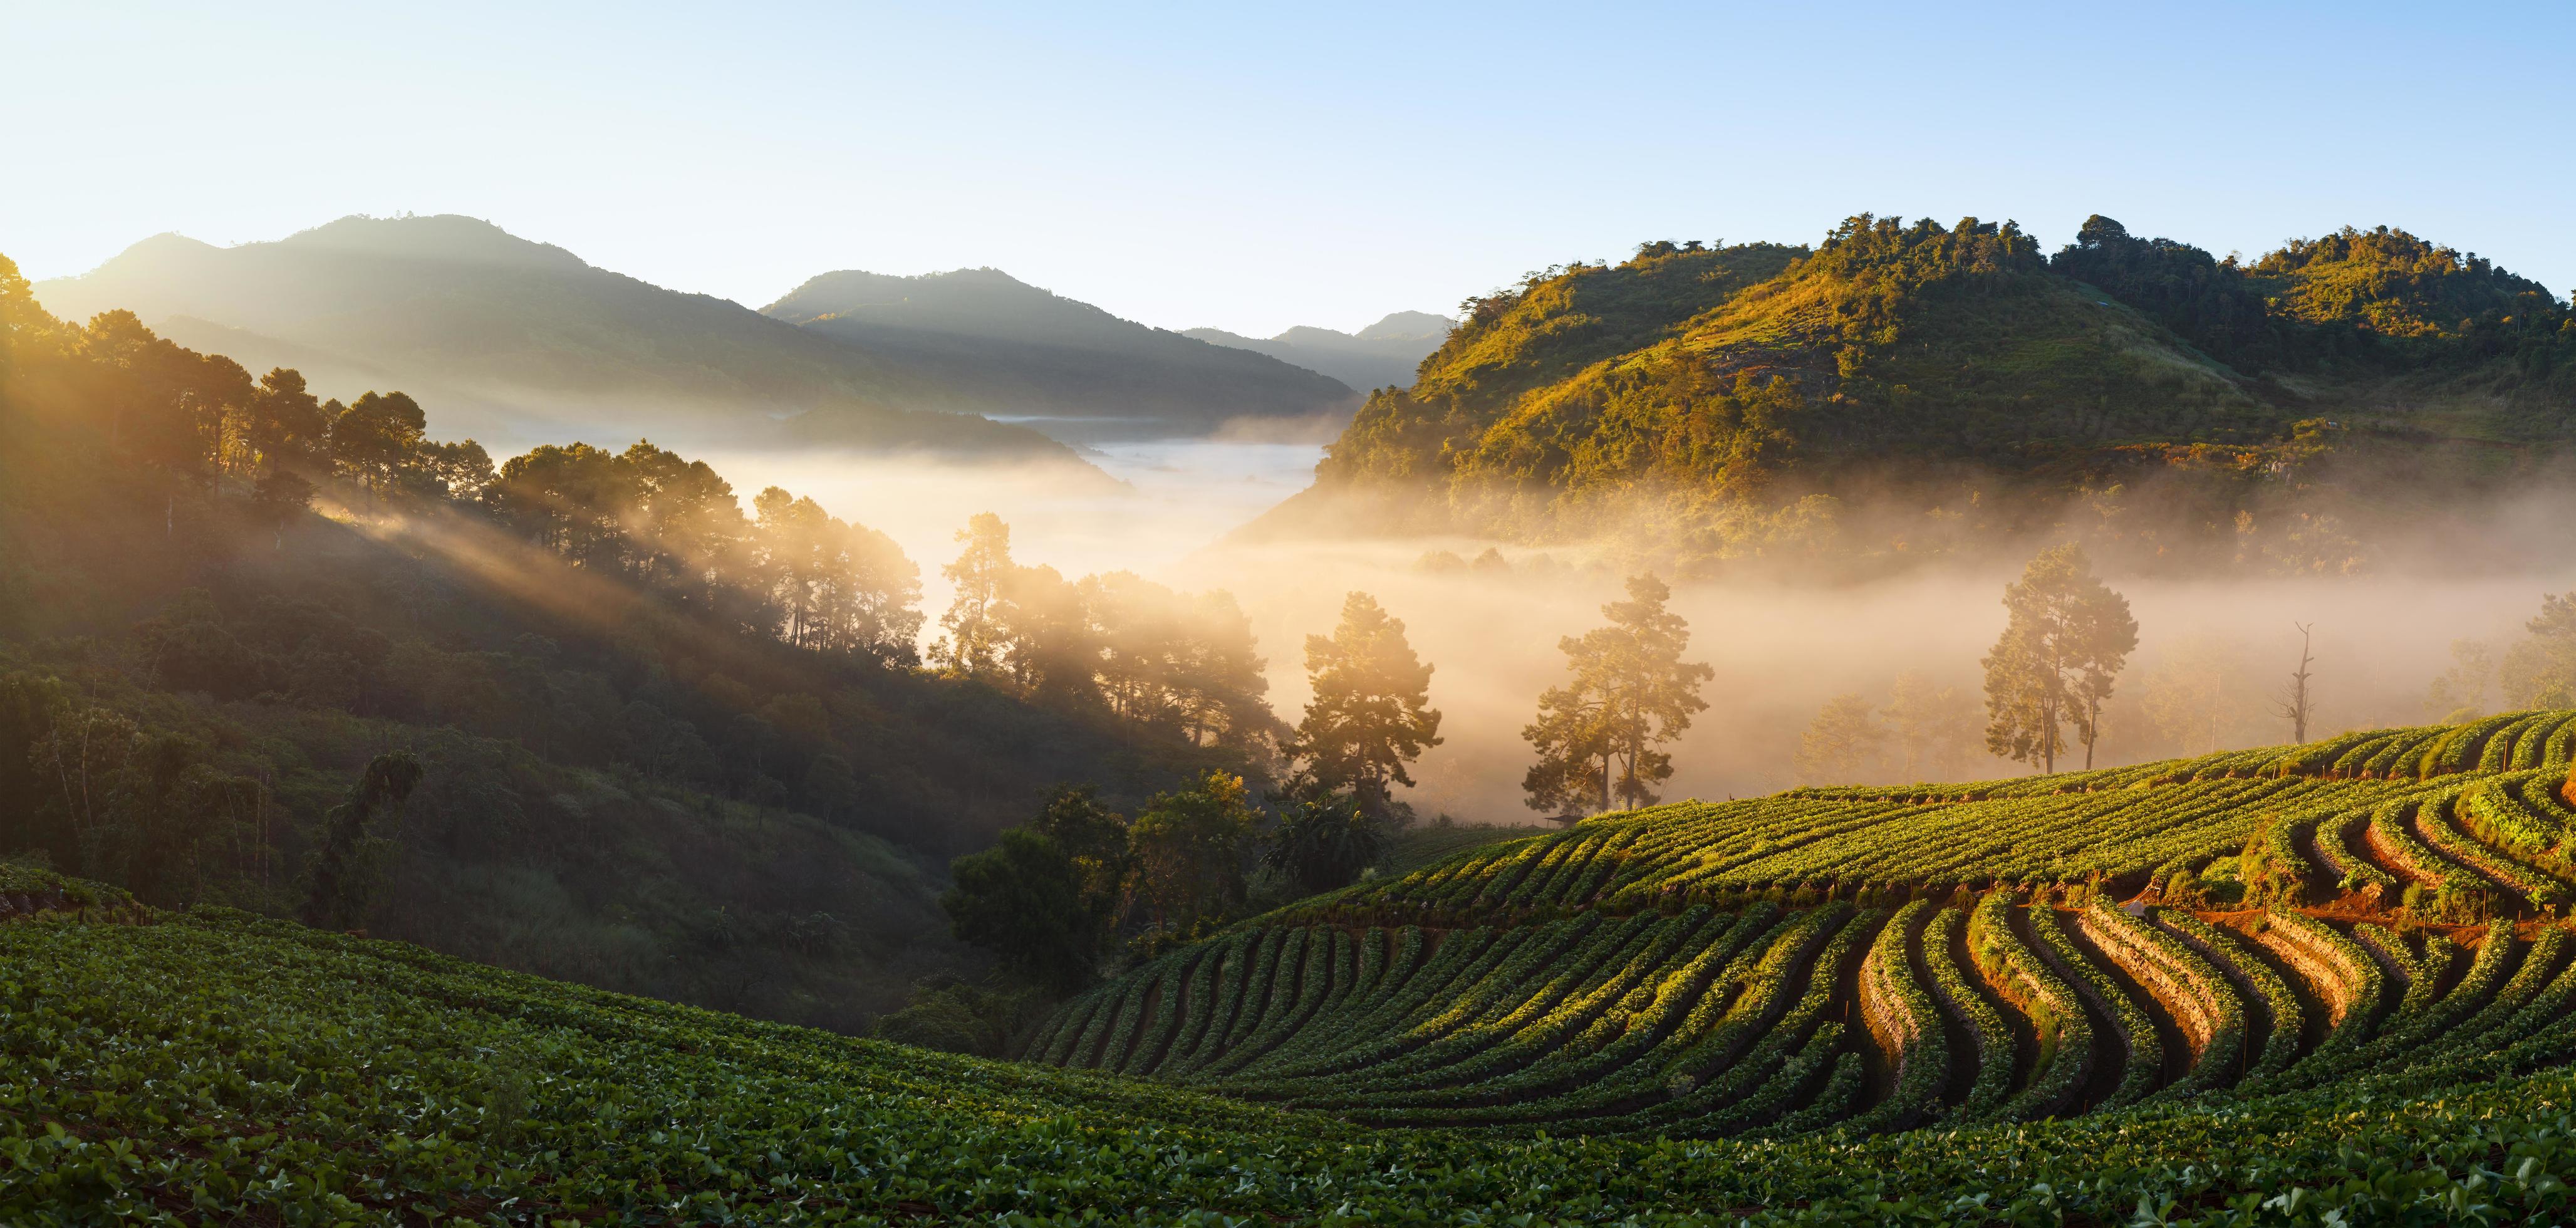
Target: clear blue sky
{"type": "Point", "coordinates": [1254, 167]}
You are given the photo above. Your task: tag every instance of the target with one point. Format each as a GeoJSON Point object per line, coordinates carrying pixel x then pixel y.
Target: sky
{"type": "Point", "coordinates": [1253, 167]}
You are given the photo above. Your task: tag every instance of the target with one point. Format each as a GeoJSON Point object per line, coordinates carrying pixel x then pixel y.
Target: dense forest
{"type": "Point", "coordinates": [578, 712]}
{"type": "Point", "coordinates": [1914, 390]}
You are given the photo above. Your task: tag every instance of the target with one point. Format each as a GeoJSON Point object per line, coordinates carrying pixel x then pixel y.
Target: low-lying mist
{"type": "Point", "coordinates": [2211, 651]}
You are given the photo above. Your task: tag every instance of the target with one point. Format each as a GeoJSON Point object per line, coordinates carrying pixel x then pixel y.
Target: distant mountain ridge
{"type": "Point", "coordinates": [998, 344]}
{"type": "Point", "coordinates": [1382, 355]}
{"type": "Point", "coordinates": [520, 342]}
{"type": "Point", "coordinates": [517, 341]}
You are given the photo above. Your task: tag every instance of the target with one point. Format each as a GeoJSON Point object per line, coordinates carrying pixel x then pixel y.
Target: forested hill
{"type": "Point", "coordinates": [1954, 382]}
{"type": "Point", "coordinates": [519, 341]}
{"type": "Point", "coordinates": [657, 741]}
{"type": "Point", "coordinates": [989, 342]}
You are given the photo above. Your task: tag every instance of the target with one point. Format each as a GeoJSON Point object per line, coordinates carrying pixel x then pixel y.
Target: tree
{"type": "Point", "coordinates": [339, 875]}
{"type": "Point", "coordinates": [1631, 692]}
{"type": "Point", "coordinates": [1022, 899]}
{"type": "Point", "coordinates": [280, 498]}
{"type": "Point", "coordinates": [2540, 671]}
{"type": "Point", "coordinates": [1842, 744]}
{"type": "Point", "coordinates": [1934, 726]}
{"type": "Point", "coordinates": [2065, 641]}
{"type": "Point", "coordinates": [286, 427]}
{"type": "Point", "coordinates": [1370, 716]}
{"type": "Point", "coordinates": [1219, 684]}
{"type": "Point", "coordinates": [1324, 843]}
{"type": "Point", "coordinates": [2293, 701]}
{"type": "Point", "coordinates": [1096, 839]}
{"type": "Point", "coordinates": [1050, 642]}
{"type": "Point", "coordinates": [2201, 697]}
{"type": "Point", "coordinates": [836, 586]}
{"type": "Point", "coordinates": [1190, 848]}
{"type": "Point", "coordinates": [2458, 695]}
{"type": "Point", "coordinates": [974, 621]}
{"type": "Point", "coordinates": [373, 436]}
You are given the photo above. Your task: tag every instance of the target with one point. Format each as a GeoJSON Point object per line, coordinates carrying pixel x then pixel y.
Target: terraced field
{"type": "Point", "coordinates": [2259, 922]}
{"type": "Point", "coordinates": [2265, 989]}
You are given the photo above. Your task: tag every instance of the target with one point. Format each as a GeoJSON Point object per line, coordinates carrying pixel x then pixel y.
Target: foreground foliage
{"type": "Point", "coordinates": [217, 1068]}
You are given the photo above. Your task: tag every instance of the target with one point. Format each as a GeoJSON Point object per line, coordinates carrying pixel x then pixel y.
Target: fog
{"type": "Point", "coordinates": [1780, 649]}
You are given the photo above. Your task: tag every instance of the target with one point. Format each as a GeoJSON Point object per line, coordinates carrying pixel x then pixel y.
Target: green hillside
{"type": "Point", "coordinates": [2345, 1000]}
{"type": "Point", "coordinates": [1870, 960]}
{"type": "Point", "coordinates": [992, 343]}
{"type": "Point", "coordinates": [1914, 389]}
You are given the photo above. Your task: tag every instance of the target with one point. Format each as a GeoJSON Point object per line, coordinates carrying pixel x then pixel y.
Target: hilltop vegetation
{"type": "Point", "coordinates": [1912, 388]}
{"type": "Point", "coordinates": [2258, 1045]}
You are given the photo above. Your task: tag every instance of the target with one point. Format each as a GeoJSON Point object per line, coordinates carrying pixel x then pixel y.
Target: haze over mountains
{"type": "Point", "coordinates": [520, 342]}
{"type": "Point", "coordinates": [1383, 355]}
{"type": "Point", "coordinates": [994, 344]}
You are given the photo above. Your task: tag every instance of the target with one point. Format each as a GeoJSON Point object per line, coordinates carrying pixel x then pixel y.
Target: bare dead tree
{"type": "Point", "coordinates": [2293, 700]}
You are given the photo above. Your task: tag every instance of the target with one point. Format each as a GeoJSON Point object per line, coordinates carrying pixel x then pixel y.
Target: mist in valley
{"type": "Point", "coordinates": [2212, 652]}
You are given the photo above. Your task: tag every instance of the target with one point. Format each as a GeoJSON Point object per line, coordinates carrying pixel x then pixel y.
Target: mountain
{"type": "Point", "coordinates": [1916, 389]}
{"type": "Point", "coordinates": [998, 345]}
{"type": "Point", "coordinates": [520, 342]}
{"type": "Point", "coordinates": [2045, 1000]}
{"type": "Point", "coordinates": [1383, 355]}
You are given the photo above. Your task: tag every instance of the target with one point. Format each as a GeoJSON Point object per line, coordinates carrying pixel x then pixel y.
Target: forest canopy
{"type": "Point", "coordinates": [1907, 390]}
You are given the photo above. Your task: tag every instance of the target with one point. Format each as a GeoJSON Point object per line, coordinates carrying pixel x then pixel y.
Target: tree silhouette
{"type": "Point", "coordinates": [2294, 701]}
{"type": "Point", "coordinates": [973, 645]}
{"type": "Point", "coordinates": [1324, 843]}
{"type": "Point", "coordinates": [1370, 716]}
{"type": "Point", "coordinates": [2066, 640]}
{"type": "Point", "coordinates": [337, 875]}
{"type": "Point", "coordinates": [1631, 692]}
{"type": "Point", "coordinates": [1841, 744]}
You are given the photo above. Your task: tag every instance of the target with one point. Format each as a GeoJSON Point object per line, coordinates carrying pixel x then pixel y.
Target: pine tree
{"type": "Point", "coordinates": [973, 645]}
{"type": "Point", "coordinates": [1371, 714]}
{"type": "Point", "coordinates": [1631, 692]}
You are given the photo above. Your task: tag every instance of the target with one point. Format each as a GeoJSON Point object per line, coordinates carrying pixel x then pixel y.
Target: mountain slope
{"type": "Point", "coordinates": [520, 341]}
{"type": "Point", "coordinates": [691, 773]}
{"type": "Point", "coordinates": [1383, 355]}
{"type": "Point", "coordinates": [993, 343]}
{"type": "Point", "coordinates": [1718, 395]}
